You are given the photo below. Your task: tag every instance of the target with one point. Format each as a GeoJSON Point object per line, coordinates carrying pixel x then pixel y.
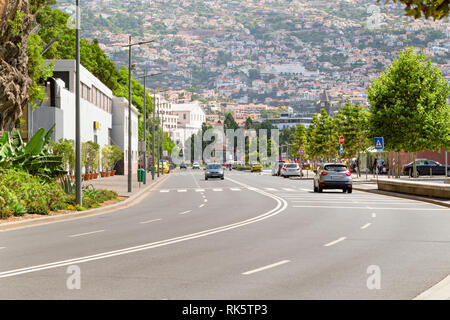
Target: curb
{"type": "Point", "coordinates": [131, 201]}
{"type": "Point", "coordinates": [404, 196]}
{"type": "Point", "coordinates": [440, 291]}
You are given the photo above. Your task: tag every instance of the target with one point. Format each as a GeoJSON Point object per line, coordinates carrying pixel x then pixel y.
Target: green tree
{"type": "Point", "coordinates": [248, 123]}
{"type": "Point", "coordinates": [298, 140]}
{"type": "Point", "coordinates": [229, 122]}
{"type": "Point", "coordinates": [437, 9]}
{"type": "Point", "coordinates": [352, 124]}
{"type": "Point", "coordinates": [65, 149]}
{"type": "Point", "coordinates": [323, 141]}
{"type": "Point", "coordinates": [408, 105]}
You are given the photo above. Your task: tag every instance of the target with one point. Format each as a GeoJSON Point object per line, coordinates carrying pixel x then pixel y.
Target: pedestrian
{"type": "Point", "coordinates": [375, 164]}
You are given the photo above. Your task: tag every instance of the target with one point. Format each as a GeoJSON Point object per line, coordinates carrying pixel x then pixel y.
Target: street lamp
{"type": "Point", "coordinates": [145, 118]}
{"type": "Point", "coordinates": [130, 45]}
{"type": "Point", "coordinates": [78, 182]}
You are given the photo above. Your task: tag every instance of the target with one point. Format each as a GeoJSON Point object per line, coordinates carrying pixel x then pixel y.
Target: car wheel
{"type": "Point", "coordinates": [222, 178]}
{"type": "Point", "coordinates": [320, 190]}
{"type": "Point", "coordinates": [344, 190]}
{"type": "Point", "coordinates": [349, 190]}
{"type": "Point", "coordinates": [206, 178]}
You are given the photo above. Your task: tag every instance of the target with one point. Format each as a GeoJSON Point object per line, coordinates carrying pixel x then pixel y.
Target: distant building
{"type": "Point", "coordinates": [288, 120]}
{"type": "Point", "coordinates": [324, 102]}
{"type": "Point", "coordinates": [190, 119]}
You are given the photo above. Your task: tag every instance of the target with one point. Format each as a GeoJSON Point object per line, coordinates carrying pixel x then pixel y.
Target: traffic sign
{"type": "Point", "coordinates": [341, 140]}
{"type": "Point", "coordinates": [342, 149]}
{"type": "Point", "coordinates": [379, 143]}
{"type": "Point", "coordinates": [301, 152]}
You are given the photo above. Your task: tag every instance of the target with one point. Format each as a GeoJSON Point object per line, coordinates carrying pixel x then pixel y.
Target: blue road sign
{"type": "Point", "coordinates": [342, 149]}
{"type": "Point", "coordinates": [379, 143]}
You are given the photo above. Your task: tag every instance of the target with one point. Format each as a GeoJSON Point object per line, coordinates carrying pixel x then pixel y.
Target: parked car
{"type": "Point", "coordinates": [256, 167]}
{"type": "Point", "coordinates": [276, 168]}
{"type": "Point", "coordinates": [163, 166]}
{"type": "Point", "coordinates": [424, 166]}
{"type": "Point", "coordinates": [214, 170]}
{"type": "Point", "coordinates": [195, 165]}
{"type": "Point", "coordinates": [183, 166]}
{"type": "Point", "coordinates": [291, 170]}
{"type": "Point", "coordinates": [333, 176]}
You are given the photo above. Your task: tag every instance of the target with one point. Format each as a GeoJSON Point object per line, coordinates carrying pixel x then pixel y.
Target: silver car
{"type": "Point", "coordinates": [214, 170]}
{"type": "Point", "coordinates": [333, 176]}
{"type": "Point", "coordinates": [291, 170]}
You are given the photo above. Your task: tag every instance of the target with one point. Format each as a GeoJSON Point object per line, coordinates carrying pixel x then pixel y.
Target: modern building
{"type": "Point", "coordinates": [103, 117]}
{"type": "Point", "coordinates": [289, 120]}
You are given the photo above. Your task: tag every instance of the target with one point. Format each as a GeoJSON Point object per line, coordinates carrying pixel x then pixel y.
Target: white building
{"type": "Point", "coordinates": [102, 116]}
{"type": "Point", "coordinates": [190, 119]}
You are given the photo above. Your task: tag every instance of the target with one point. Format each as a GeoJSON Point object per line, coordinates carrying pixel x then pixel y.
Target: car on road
{"type": "Point", "coordinates": [163, 166]}
{"type": "Point", "coordinates": [276, 168]}
{"type": "Point", "coordinates": [214, 170]}
{"type": "Point", "coordinates": [256, 167]}
{"type": "Point", "coordinates": [291, 170]}
{"type": "Point", "coordinates": [425, 167]}
{"type": "Point", "coordinates": [333, 176]}
{"type": "Point", "coordinates": [183, 166]}
{"type": "Point", "coordinates": [195, 165]}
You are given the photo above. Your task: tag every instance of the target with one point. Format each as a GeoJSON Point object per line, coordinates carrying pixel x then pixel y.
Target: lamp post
{"type": "Point", "coordinates": [153, 137]}
{"type": "Point", "coordinates": [158, 138]}
{"type": "Point", "coordinates": [145, 119]}
{"type": "Point", "coordinates": [130, 45]}
{"type": "Point", "coordinates": [78, 182]}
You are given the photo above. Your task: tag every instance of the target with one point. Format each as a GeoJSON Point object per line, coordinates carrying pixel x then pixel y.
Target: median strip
{"type": "Point", "coordinates": [270, 266]}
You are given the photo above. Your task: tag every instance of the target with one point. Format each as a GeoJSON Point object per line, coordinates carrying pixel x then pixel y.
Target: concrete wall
{"type": "Point", "coordinates": [435, 190]}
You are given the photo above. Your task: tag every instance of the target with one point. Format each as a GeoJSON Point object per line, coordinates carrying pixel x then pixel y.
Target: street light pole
{"type": "Point", "coordinates": [158, 138]}
{"type": "Point", "coordinates": [130, 45]}
{"type": "Point", "coordinates": [78, 182]}
{"type": "Point", "coordinates": [153, 137]}
{"type": "Point", "coordinates": [162, 137]}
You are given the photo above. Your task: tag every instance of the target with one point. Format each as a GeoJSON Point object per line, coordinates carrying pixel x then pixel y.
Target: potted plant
{"type": "Point", "coordinates": [110, 155]}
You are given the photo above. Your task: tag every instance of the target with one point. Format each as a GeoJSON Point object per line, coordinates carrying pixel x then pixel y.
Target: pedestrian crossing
{"type": "Point", "coordinates": [234, 189]}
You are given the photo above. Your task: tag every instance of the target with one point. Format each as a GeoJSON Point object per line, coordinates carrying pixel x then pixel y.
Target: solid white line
{"type": "Point", "coordinates": [334, 242]}
{"type": "Point", "coordinates": [366, 225]}
{"type": "Point", "coordinates": [84, 234]}
{"type": "Point", "coordinates": [288, 189]}
{"type": "Point", "coordinates": [266, 267]}
{"type": "Point", "coordinates": [182, 190]}
{"type": "Point", "coordinates": [185, 212]}
{"type": "Point", "coordinates": [280, 207]}
{"type": "Point", "coordinates": [199, 190]}
{"type": "Point", "coordinates": [440, 291]}
{"type": "Point", "coordinates": [271, 189]}
{"type": "Point", "coordinates": [336, 207]}
{"type": "Point", "coordinates": [305, 189]}
{"type": "Point", "coordinates": [145, 222]}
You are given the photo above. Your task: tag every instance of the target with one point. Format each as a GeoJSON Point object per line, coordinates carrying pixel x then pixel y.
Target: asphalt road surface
{"type": "Point", "coordinates": [250, 236]}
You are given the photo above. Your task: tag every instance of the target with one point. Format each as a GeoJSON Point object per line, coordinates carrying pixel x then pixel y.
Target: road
{"type": "Point", "coordinates": [250, 236]}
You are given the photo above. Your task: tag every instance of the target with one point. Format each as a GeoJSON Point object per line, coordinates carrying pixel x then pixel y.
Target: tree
{"type": "Point", "coordinates": [65, 149]}
{"type": "Point", "coordinates": [298, 140]}
{"type": "Point", "coordinates": [229, 122]}
{"type": "Point", "coordinates": [352, 123]}
{"type": "Point", "coordinates": [408, 105]}
{"type": "Point", "coordinates": [323, 141]}
{"type": "Point", "coordinates": [437, 9]}
{"type": "Point", "coordinates": [248, 123]}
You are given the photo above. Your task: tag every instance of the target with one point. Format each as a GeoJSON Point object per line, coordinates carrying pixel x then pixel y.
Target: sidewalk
{"type": "Point", "coordinates": [120, 184]}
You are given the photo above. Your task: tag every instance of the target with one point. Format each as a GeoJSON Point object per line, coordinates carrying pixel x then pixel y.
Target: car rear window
{"type": "Point", "coordinates": [214, 166]}
{"type": "Point", "coordinates": [292, 165]}
{"type": "Point", "coordinates": [335, 167]}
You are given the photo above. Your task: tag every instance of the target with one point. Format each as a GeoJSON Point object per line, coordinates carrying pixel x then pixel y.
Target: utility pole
{"type": "Point", "coordinates": [158, 139]}
{"type": "Point", "coordinates": [153, 137]}
{"type": "Point", "coordinates": [162, 137]}
{"type": "Point", "coordinates": [130, 45]}
{"type": "Point", "coordinates": [78, 182]}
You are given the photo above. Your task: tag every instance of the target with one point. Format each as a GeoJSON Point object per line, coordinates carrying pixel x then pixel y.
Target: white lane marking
{"type": "Point", "coordinates": [235, 189]}
{"type": "Point", "coordinates": [84, 234]}
{"type": "Point", "coordinates": [271, 189]}
{"type": "Point", "coordinates": [165, 190]}
{"type": "Point", "coordinates": [205, 200]}
{"type": "Point", "coordinates": [440, 291]}
{"type": "Point", "coordinates": [288, 189]}
{"type": "Point", "coordinates": [2, 248]}
{"type": "Point", "coordinates": [334, 242]}
{"type": "Point", "coordinates": [273, 265]}
{"type": "Point", "coordinates": [252, 188]}
{"type": "Point", "coordinates": [182, 190]}
{"type": "Point", "coordinates": [336, 207]}
{"type": "Point", "coordinates": [149, 221]}
{"type": "Point", "coordinates": [199, 190]}
{"type": "Point", "coordinates": [217, 189]}
{"type": "Point", "coordinates": [280, 207]}
{"type": "Point", "coordinates": [366, 225]}
{"type": "Point", "coordinates": [185, 212]}
{"type": "Point", "coordinates": [305, 189]}
{"type": "Point", "coordinates": [201, 206]}
{"type": "Point", "coordinates": [374, 215]}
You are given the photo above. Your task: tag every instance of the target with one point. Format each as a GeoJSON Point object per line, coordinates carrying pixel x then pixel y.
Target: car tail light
{"type": "Point", "coordinates": [348, 173]}
{"type": "Point", "coordinates": [284, 169]}
{"type": "Point", "coordinates": [323, 173]}
{"type": "Point", "coordinates": [298, 169]}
